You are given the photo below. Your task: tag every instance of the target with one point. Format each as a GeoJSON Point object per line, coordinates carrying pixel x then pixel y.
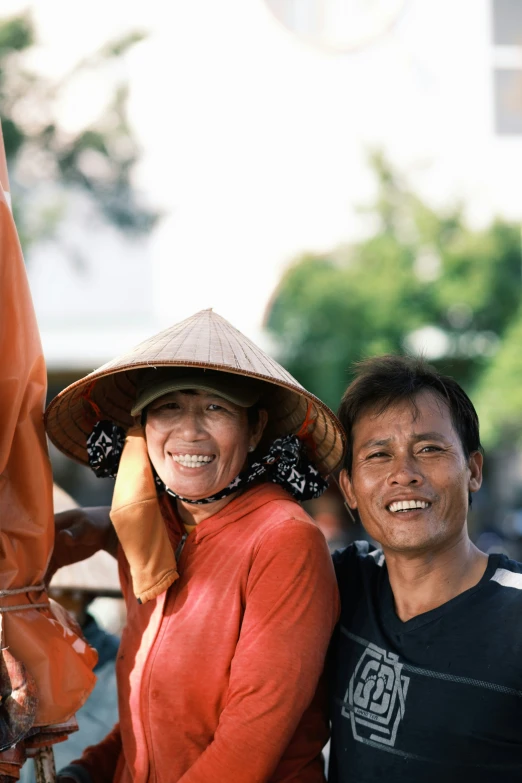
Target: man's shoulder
{"type": "Point", "coordinates": [361, 555]}
{"type": "Point", "coordinates": [358, 550]}
{"type": "Point", "coordinates": [507, 573]}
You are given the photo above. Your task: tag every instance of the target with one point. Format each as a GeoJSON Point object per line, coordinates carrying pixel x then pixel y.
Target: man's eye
{"type": "Point", "coordinates": [428, 449]}
{"type": "Point", "coordinates": [215, 407]}
{"type": "Point", "coordinates": [376, 454]}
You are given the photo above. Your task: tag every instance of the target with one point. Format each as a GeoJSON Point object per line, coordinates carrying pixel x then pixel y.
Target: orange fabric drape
{"type": "Point", "coordinates": [57, 659]}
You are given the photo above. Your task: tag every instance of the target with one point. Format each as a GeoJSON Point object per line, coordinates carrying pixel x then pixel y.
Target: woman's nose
{"type": "Point", "coordinates": [191, 426]}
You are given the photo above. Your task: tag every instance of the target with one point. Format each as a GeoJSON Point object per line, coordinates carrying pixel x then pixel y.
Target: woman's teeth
{"type": "Point", "coordinates": [192, 460]}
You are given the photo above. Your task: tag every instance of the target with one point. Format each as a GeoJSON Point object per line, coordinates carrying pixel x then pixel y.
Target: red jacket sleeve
{"type": "Point", "coordinates": [99, 761]}
{"type": "Point", "coordinates": [291, 607]}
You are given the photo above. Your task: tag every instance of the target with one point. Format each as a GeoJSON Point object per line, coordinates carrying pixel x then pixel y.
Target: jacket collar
{"type": "Point", "coordinates": [239, 507]}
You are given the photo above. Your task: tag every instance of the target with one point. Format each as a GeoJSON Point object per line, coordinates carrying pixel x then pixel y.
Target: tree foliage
{"type": "Point", "coordinates": [499, 391]}
{"type": "Point", "coordinates": [423, 282]}
{"type": "Point", "coordinates": [96, 161]}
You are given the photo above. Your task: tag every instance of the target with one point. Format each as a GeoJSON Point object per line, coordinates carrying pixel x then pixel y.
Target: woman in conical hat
{"type": "Point", "coordinates": [211, 443]}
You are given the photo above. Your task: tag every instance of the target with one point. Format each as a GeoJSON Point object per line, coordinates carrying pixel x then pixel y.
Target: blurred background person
{"type": "Point", "coordinates": [331, 517]}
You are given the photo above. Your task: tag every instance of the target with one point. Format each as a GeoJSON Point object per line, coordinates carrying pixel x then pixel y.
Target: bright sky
{"type": "Point", "coordinates": [254, 143]}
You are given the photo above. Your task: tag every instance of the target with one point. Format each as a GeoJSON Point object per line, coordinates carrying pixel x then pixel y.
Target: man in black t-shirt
{"type": "Point", "coordinates": [425, 665]}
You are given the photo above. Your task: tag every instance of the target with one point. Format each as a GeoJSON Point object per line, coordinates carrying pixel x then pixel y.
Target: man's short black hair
{"type": "Point", "coordinates": [382, 381]}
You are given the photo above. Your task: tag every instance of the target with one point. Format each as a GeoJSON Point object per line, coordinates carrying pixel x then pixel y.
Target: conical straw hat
{"type": "Point", "coordinates": [205, 340]}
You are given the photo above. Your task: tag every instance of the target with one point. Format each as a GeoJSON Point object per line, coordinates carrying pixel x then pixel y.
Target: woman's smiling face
{"type": "Point", "coordinates": [198, 442]}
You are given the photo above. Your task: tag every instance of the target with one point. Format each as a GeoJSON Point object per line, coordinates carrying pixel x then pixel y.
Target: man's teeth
{"type": "Point", "coordinates": [192, 460]}
{"type": "Point", "coordinates": [407, 505]}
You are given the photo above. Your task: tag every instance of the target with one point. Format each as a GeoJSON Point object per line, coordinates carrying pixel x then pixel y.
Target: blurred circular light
{"type": "Point", "coordinates": [338, 25]}
{"type": "Point", "coordinates": [428, 341]}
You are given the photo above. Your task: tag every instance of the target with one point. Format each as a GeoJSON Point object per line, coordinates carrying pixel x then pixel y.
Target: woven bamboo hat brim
{"type": "Point", "coordinates": [207, 341]}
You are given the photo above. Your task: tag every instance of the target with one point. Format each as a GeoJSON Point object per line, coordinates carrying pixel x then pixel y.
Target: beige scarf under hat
{"type": "Point", "coordinates": [139, 524]}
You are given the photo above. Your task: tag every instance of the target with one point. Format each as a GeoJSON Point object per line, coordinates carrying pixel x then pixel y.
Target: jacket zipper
{"type": "Point", "coordinates": [179, 548]}
{"type": "Point", "coordinates": [152, 764]}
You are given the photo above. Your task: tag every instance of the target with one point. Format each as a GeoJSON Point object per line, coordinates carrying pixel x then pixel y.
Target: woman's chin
{"type": "Point", "coordinates": [191, 493]}
{"type": "Point", "coordinates": [192, 490]}
{"type": "Point", "coordinates": [196, 490]}
{"type": "Point", "coordinates": [186, 482]}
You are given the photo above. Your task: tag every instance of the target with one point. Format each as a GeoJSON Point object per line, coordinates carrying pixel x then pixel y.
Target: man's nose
{"type": "Point", "coordinates": [405, 471]}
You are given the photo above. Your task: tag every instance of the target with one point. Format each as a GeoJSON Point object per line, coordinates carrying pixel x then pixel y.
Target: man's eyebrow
{"type": "Point", "coordinates": [372, 442]}
{"type": "Point", "coordinates": [429, 436]}
{"type": "Point", "coordinates": [415, 438]}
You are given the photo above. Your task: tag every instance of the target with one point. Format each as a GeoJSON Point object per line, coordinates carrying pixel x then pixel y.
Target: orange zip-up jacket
{"type": "Point", "coordinates": [217, 676]}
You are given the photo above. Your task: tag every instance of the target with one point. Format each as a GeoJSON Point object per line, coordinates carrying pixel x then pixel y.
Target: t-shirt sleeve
{"type": "Point", "coordinates": [291, 607]}
{"type": "Point", "coordinates": [345, 559]}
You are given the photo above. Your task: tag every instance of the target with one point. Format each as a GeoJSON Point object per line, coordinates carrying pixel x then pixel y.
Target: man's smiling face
{"type": "Point", "coordinates": [410, 477]}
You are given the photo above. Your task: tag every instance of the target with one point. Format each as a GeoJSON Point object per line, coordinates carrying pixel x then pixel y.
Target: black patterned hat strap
{"type": "Point", "coordinates": [285, 464]}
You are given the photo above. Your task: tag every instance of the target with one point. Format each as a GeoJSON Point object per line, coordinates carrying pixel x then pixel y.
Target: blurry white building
{"type": "Point", "coordinates": [255, 144]}
{"type": "Point", "coordinates": [507, 42]}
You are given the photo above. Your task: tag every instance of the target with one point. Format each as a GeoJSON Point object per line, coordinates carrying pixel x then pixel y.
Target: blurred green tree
{"type": "Point", "coordinates": [96, 161]}
{"type": "Point", "coordinates": [423, 283]}
{"type": "Point", "coordinates": [499, 393]}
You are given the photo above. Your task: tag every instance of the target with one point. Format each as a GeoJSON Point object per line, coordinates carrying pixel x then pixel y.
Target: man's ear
{"type": "Point", "coordinates": [347, 488]}
{"type": "Point", "coordinates": [475, 466]}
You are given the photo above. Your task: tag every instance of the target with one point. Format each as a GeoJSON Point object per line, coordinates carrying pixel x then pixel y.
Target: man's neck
{"type": "Point", "coordinates": [425, 580]}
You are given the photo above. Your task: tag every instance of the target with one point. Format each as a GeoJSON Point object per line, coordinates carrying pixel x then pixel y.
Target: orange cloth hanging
{"type": "Point", "coordinates": [41, 639]}
{"type": "Point", "coordinates": [139, 524]}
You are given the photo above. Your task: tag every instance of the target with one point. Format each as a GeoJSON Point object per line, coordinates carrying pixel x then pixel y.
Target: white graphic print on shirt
{"type": "Point", "coordinates": [375, 700]}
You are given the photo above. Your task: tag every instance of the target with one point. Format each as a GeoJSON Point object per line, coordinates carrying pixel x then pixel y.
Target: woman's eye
{"type": "Point", "coordinates": [166, 406]}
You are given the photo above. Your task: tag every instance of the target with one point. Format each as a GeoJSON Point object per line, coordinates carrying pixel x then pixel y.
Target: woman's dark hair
{"type": "Point", "coordinates": [383, 381]}
{"type": "Point", "coordinates": [253, 414]}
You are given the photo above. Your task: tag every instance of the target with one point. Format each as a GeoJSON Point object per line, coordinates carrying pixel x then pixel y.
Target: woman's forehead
{"type": "Point", "coordinates": [192, 393]}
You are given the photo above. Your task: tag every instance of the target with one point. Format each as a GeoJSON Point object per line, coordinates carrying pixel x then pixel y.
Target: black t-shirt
{"type": "Point", "coordinates": [435, 699]}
